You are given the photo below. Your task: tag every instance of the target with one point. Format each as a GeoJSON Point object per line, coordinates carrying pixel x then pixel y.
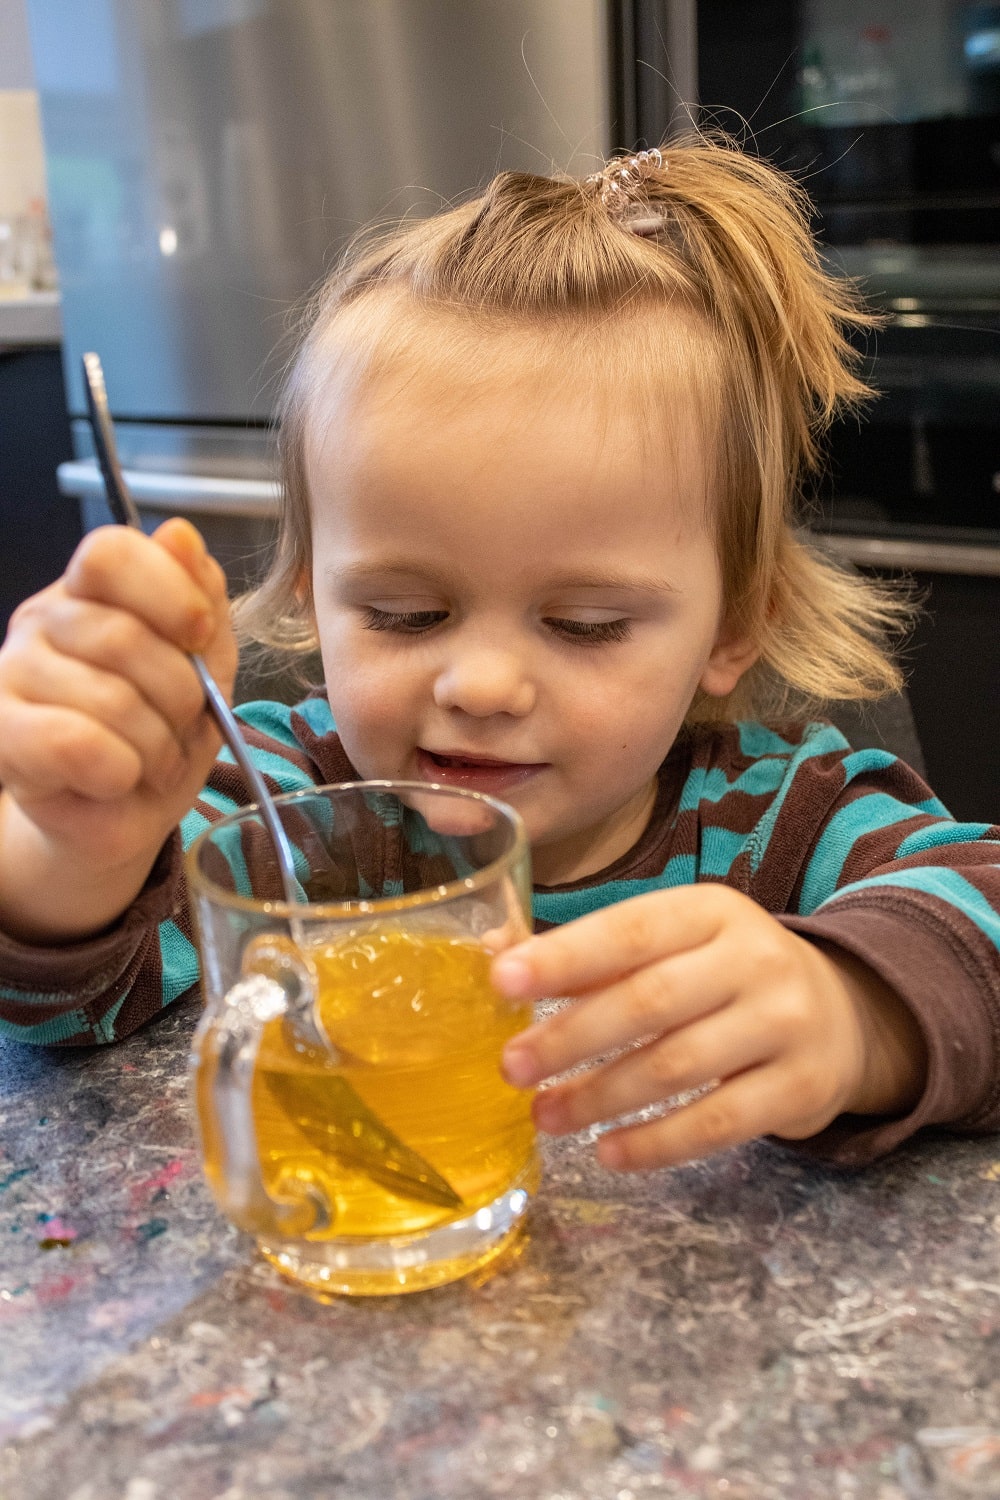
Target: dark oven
{"type": "Point", "coordinates": [889, 112]}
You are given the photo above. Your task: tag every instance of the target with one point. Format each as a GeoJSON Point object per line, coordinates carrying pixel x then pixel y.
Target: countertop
{"type": "Point", "coordinates": [751, 1327]}
{"type": "Point", "coordinates": [29, 319]}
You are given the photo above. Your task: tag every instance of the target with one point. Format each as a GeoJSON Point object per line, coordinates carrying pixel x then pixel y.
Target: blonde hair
{"type": "Point", "coordinates": [701, 233]}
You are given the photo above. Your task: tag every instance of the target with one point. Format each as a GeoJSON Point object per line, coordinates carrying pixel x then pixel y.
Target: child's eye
{"type": "Point", "coordinates": [591, 632]}
{"type": "Point", "coordinates": [405, 622]}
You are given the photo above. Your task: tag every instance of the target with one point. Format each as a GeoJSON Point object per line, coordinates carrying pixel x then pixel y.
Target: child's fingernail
{"type": "Point", "coordinates": [519, 1067]}
{"type": "Point", "coordinates": [549, 1113]}
{"type": "Point", "coordinates": [201, 631]}
{"type": "Point", "coordinates": [511, 975]}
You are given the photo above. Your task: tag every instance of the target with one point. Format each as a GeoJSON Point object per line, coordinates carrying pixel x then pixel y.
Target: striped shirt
{"type": "Point", "coordinates": [847, 847]}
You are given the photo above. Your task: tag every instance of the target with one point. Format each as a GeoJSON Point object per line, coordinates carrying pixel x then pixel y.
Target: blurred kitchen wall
{"type": "Point", "coordinates": [15, 52]}
{"type": "Point", "coordinates": [39, 527]}
{"type": "Point", "coordinates": [22, 160]}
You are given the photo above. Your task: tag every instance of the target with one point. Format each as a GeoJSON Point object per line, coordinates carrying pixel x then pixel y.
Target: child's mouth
{"type": "Point", "coordinates": [480, 773]}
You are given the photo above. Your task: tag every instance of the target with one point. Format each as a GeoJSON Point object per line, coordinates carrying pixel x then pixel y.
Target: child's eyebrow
{"type": "Point", "coordinates": [632, 583]}
{"type": "Point", "coordinates": [614, 580]}
{"type": "Point", "coordinates": [363, 572]}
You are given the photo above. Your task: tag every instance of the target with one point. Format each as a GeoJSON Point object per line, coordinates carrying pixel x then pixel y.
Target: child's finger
{"type": "Point", "coordinates": [605, 945]}
{"type": "Point", "coordinates": [719, 1046]}
{"type": "Point", "coordinates": [656, 999]}
{"type": "Point", "coordinates": [114, 703]}
{"type": "Point", "coordinates": [116, 642]}
{"type": "Point", "coordinates": [48, 750]}
{"type": "Point", "coordinates": [185, 543]}
{"type": "Point", "coordinates": [739, 1109]}
{"type": "Point", "coordinates": [119, 566]}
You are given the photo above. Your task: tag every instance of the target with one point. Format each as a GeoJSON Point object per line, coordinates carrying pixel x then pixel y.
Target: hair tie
{"type": "Point", "coordinates": [620, 183]}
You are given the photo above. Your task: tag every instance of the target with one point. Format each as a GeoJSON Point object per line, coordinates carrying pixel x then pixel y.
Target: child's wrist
{"type": "Point", "coordinates": [894, 1053]}
{"type": "Point", "coordinates": [52, 892]}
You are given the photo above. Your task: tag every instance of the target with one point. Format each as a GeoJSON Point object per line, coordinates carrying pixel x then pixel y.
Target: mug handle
{"type": "Point", "coordinates": [224, 1060]}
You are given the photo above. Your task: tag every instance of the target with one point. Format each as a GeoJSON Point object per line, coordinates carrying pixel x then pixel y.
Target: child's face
{"type": "Point", "coordinates": [514, 594]}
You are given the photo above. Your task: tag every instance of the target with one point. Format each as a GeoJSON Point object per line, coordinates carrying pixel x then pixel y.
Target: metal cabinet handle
{"type": "Point", "coordinates": [160, 490]}
{"type": "Point", "coordinates": [975, 560]}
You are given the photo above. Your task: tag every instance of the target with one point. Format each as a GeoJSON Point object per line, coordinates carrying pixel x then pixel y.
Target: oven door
{"type": "Point", "coordinates": [890, 116]}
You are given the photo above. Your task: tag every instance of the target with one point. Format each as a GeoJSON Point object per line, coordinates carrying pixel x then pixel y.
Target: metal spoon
{"type": "Point", "coordinates": [344, 1120]}
{"type": "Point", "coordinates": [124, 511]}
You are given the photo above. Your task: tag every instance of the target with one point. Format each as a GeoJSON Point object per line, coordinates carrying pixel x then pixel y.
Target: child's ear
{"type": "Point", "coordinates": [732, 655]}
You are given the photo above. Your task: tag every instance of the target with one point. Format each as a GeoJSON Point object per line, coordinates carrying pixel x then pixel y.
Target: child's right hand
{"type": "Point", "coordinates": [106, 740]}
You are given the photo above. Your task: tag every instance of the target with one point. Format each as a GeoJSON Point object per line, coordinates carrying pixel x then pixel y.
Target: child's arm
{"type": "Point", "coordinates": [106, 741]}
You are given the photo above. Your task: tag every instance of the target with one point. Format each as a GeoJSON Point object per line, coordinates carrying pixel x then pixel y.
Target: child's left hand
{"type": "Point", "coordinates": [702, 986]}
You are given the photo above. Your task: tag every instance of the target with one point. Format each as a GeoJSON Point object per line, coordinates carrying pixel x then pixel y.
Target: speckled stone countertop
{"type": "Point", "coordinates": [748, 1328]}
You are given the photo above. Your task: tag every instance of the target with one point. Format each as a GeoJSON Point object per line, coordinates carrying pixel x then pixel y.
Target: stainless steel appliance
{"type": "Point", "coordinates": [208, 159]}
{"type": "Point", "coordinates": [890, 113]}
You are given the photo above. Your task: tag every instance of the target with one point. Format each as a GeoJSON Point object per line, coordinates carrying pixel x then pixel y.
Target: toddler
{"type": "Point", "coordinates": [541, 459]}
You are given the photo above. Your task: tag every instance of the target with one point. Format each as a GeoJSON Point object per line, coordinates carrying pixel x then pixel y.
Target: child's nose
{"type": "Point", "coordinates": [484, 682]}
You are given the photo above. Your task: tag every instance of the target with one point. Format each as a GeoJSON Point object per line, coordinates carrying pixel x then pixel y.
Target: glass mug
{"type": "Point", "coordinates": [346, 1069]}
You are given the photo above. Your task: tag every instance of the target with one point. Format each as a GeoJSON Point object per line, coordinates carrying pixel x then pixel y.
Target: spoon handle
{"type": "Point", "coordinates": [229, 725]}
{"type": "Point", "coordinates": [123, 508]}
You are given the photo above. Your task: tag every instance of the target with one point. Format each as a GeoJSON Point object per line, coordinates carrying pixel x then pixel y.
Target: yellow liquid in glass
{"type": "Point", "coordinates": [421, 1030]}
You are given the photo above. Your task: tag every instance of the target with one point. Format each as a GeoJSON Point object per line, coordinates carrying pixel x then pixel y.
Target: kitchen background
{"type": "Point", "coordinates": [204, 160]}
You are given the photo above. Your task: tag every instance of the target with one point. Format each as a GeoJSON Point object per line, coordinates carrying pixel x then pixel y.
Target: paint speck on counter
{"type": "Point", "coordinates": [15, 1176]}
{"type": "Point", "coordinates": [151, 1229]}
{"type": "Point", "coordinates": [58, 1289]}
{"type": "Point", "coordinates": [58, 1234]}
{"type": "Point", "coordinates": [155, 1186]}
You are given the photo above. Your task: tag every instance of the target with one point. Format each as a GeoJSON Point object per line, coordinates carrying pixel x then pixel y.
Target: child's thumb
{"type": "Point", "coordinates": [185, 543]}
